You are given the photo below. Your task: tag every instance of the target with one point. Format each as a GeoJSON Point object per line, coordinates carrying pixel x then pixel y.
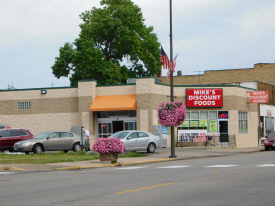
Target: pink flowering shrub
{"type": "Point", "coordinates": [107, 145]}
{"type": "Point", "coordinates": [171, 113]}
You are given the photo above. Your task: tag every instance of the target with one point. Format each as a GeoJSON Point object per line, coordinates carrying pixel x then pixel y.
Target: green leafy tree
{"type": "Point", "coordinates": [110, 36]}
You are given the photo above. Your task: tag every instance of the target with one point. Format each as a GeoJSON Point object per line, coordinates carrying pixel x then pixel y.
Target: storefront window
{"type": "Point", "coordinates": [269, 125]}
{"type": "Point", "coordinates": [194, 115]}
{"type": "Point", "coordinates": [243, 122]}
{"type": "Point", "coordinates": [129, 125]}
{"type": "Point", "coordinates": [213, 115]}
{"type": "Point", "coordinates": [206, 119]}
{"type": "Point", "coordinates": [104, 130]}
{"type": "Point", "coordinates": [203, 115]}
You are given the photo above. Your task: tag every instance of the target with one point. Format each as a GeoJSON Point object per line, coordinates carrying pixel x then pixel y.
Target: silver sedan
{"type": "Point", "coordinates": [51, 141]}
{"type": "Point", "coordinates": [136, 140]}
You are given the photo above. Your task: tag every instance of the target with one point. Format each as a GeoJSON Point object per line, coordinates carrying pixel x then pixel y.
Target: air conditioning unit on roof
{"type": "Point", "coordinates": [131, 81]}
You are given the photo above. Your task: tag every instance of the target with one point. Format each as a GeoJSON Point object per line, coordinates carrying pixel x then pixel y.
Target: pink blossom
{"type": "Point", "coordinates": [171, 113]}
{"type": "Point", "coordinates": [107, 145]}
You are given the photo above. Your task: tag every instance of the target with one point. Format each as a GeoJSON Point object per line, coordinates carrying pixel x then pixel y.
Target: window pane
{"type": "Point", "coordinates": [203, 115]}
{"type": "Point", "coordinates": [109, 127]}
{"type": "Point", "coordinates": [187, 115]}
{"type": "Point", "coordinates": [194, 115]}
{"type": "Point", "coordinates": [142, 134]}
{"type": "Point", "coordinates": [5, 134]}
{"type": "Point", "coordinates": [213, 115]}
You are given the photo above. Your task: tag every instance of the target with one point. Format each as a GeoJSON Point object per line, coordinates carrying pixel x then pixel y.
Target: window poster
{"type": "Point", "coordinates": [203, 123]}
{"type": "Point", "coordinates": [185, 124]}
{"type": "Point", "coordinates": [192, 135]}
{"type": "Point", "coordinates": [194, 123]}
{"type": "Point", "coordinates": [213, 126]}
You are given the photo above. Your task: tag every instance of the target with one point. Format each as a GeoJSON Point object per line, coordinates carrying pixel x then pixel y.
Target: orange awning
{"type": "Point", "coordinates": [114, 103]}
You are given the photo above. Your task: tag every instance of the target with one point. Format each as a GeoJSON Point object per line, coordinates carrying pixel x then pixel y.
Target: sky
{"type": "Point", "coordinates": [208, 34]}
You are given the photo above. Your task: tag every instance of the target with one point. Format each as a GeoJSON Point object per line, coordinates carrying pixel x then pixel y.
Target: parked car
{"type": "Point", "coordinates": [8, 137]}
{"type": "Point", "coordinates": [52, 141]}
{"type": "Point", "coordinates": [270, 141]}
{"type": "Point", "coordinates": [136, 140]}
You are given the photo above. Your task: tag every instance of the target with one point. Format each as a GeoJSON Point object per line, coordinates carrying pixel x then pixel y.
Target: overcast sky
{"type": "Point", "coordinates": [210, 35]}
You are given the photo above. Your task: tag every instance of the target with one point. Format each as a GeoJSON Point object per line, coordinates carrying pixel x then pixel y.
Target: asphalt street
{"type": "Point", "coordinates": [239, 179]}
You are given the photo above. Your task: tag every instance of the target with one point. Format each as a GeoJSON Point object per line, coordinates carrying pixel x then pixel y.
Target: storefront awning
{"type": "Point", "coordinates": [114, 103]}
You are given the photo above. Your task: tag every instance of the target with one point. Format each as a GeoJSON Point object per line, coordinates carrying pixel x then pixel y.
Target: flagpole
{"type": "Point", "coordinates": [171, 84]}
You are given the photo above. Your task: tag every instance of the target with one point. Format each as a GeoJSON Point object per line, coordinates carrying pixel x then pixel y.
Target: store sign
{"type": "Point", "coordinates": [223, 115]}
{"type": "Point", "coordinates": [204, 97]}
{"type": "Point", "coordinates": [259, 97]}
{"type": "Point", "coordinates": [192, 135]}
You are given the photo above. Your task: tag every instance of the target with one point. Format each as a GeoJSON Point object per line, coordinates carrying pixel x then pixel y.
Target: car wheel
{"type": "Point", "coordinates": [151, 148]}
{"type": "Point", "coordinates": [266, 148]}
{"type": "Point", "coordinates": [10, 150]}
{"type": "Point", "coordinates": [37, 149]}
{"type": "Point", "coordinates": [76, 147]}
{"type": "Point", "coordinates": [65, 151]}
{"type": "Point", "coordinates": [1, 150]}
{"type": "Point", "coordinates": [27, 152]}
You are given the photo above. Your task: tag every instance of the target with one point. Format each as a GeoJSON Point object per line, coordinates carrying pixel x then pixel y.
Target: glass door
{"type": "Point", "coordinates": [104, 129]}
{"type": "Point", "coordinates": [223, 132]}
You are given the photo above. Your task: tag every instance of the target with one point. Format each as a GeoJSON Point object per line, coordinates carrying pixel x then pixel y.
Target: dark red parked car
{"type": "Point", "coordinates": [270, 141]}
{"type": "Point", "coordinates": [10, 136]}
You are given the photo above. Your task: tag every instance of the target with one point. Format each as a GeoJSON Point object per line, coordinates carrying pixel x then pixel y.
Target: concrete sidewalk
{"type": "Point", "coordinates": [161, 155]}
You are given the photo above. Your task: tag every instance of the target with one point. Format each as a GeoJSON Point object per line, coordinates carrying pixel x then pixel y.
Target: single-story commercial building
{"type": "Point", "coordinates": [219, 110]}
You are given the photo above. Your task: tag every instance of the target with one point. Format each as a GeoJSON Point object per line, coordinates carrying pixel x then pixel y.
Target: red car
{"type": "Point", "coordinates": [10, 136]}
{"type": "Point", "coordinates": [270, 141]}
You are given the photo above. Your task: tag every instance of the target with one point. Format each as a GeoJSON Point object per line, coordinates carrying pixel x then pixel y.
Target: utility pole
{"type": "Point", "coordinates": [171, 84]}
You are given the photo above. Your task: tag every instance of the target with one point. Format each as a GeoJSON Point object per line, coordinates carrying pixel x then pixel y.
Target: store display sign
{"type": "Point", "coordinates": [185, 123]}
{"type": "Point", "coordinates": [204, 97]}
{"type": "Point", "coordinates": [203, 123]}
{"type": "Point", "coordinates": [223, 115]}
{"type": "Point", "coordinates": [192, 135]}
{"type": "Point", "coordinates": [213, 126]}
{"type": "Point", "coordinates": [259, 97]}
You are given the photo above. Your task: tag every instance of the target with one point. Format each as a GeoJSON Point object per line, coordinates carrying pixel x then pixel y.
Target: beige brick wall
{"type": "Point", "coordinates": [38, 123]}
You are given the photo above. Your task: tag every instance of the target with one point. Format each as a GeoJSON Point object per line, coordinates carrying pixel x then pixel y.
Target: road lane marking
{"type": "Point", "coordinates": [266, 165]}
{"type": "Point", "coordinates": [222, 166]}
{"type": "Point", "coordinates": [6, 173]}
{"type": "Point", "coordinates": [174, 167]}
{"type": "Point", "coordinates": [145, 188]}
{"type": "Point", "coordinates": [128, 168]}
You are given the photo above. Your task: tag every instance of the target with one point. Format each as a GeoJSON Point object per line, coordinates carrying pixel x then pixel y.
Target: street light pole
{"type": "Point", "coordinates": [171, 84]}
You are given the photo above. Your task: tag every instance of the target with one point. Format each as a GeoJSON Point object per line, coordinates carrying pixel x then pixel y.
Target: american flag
{"type": "Point", "coordinates": [164, 60]}
{"type": "Point", "coordinates": [174, 65]}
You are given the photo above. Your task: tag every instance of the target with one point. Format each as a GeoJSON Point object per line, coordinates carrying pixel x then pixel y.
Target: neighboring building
{"type": "Point", "coordinates": [261, 73]}
{"type": "Point", "coordinates": [105, 109]}
{"type": "Point", "coordinates": [261, 78]}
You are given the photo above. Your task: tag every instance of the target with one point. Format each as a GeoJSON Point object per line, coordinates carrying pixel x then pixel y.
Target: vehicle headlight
{"type": "Point", "coordinates": [266, 141]}
{"type": "Point", "coordinates": [25, 144]}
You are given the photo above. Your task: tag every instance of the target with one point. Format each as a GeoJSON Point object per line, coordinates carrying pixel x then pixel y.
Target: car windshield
{"type": "Point", "coordinates": [271, 135]}
{"type": "Point", "coordinates": [42, 135]}
{"type": "Point", "coordinates": [120, 135]}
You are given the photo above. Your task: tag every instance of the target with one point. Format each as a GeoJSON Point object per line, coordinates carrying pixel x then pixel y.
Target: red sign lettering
{"type": "Point", "coordinates": [204, 97]}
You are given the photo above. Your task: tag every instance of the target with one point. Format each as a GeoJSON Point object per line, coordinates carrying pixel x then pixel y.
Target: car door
{"type": "Point", "coordinates": [143, 140]}
{"type": "Point", "coordinates": [131, 143]}
{"type": "Point", "coordinates": [66, 140]}
{"type": "Point", "coordinates": [5, 139]}
{"type": "Point", "coordinates": [52, 142]}
{"type": "Point", "coordinates": [16, 136]}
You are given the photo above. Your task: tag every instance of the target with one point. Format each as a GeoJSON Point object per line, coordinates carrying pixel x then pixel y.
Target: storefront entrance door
{"type": "Point", "coordinates": [117, 126]}
{"type": "Point", "coordinates": [223, 132]}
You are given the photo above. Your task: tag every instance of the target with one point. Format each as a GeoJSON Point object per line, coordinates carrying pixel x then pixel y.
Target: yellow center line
{"type": "Point", "coordinates": [146, 188]}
